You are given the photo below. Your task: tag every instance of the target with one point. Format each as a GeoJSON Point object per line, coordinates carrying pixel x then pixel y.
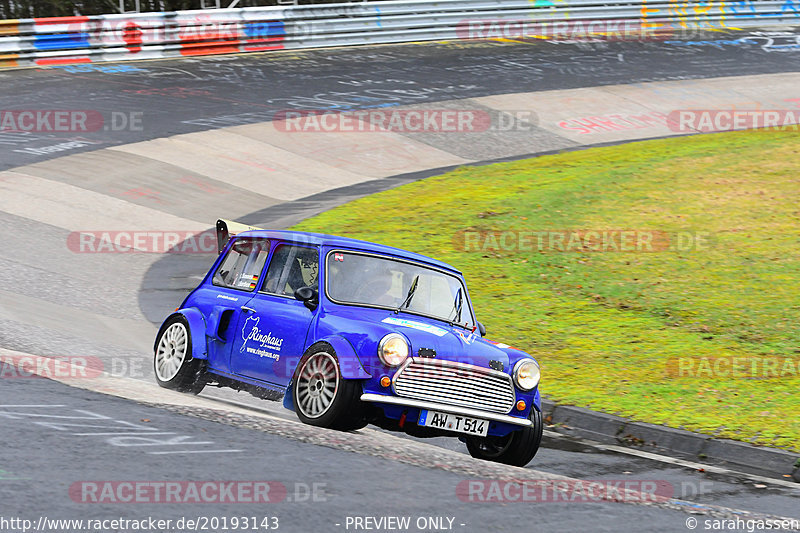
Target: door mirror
{"type": "Point", "coordinates": [308, 296]}
{"type": "Point", "coordinates": [482, 329]}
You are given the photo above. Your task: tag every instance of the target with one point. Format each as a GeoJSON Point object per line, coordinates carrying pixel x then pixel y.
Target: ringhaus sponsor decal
{"type": "Point", "coordinates": [265, 341]}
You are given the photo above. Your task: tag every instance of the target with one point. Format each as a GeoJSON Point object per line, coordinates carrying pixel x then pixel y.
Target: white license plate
{"type": "Point", "coordinates": [451, 422]}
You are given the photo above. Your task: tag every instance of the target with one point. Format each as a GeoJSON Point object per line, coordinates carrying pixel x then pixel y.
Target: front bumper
{"type": "Point", "coordinates": [465, 411]}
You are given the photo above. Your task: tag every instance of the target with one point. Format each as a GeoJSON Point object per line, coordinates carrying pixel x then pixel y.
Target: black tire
{"type": "Point", "coordinates": [322, 397]}
{"type": "Point", "coordinates": [173, 365]}
{"type": "Point", "coordinates": [516, 449]}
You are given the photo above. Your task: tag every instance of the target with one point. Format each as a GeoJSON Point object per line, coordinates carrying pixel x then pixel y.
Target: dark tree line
{"type": "Point", "coordinates": [22, 9]}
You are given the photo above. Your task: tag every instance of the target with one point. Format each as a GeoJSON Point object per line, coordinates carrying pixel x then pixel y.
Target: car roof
{"type": "Point", "coordinates": [320, 239]}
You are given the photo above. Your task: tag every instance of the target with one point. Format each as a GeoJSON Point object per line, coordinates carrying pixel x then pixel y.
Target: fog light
{"type": "Point", "coordinates": [385, 381]}
{"type": "Point", "coordinates": [521, 405]}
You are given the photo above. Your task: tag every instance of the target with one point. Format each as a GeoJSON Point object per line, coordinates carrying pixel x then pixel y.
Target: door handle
{"type": "Point", "coordinates": [248, 309]}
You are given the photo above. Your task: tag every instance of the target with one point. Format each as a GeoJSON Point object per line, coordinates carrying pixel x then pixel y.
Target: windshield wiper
{"type": "Point", "coordinates": [411, 290]}
{"type": "Point", "coordinates": [458, 305]}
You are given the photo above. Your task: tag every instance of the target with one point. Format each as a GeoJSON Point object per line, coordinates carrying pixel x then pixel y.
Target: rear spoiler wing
{"type": "Point", "coordinates": [227, 229]}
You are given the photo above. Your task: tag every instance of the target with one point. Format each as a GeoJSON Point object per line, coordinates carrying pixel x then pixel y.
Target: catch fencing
{"type": "Point", "coordinates": [88, 39]}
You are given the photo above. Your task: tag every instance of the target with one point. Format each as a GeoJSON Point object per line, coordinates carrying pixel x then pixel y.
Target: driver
{"type": "Point", "coordinates": [376, 286]}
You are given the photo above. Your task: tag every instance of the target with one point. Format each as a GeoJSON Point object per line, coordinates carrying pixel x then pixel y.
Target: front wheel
{"type": "Point", "coordinates": [321, 396]}
{"type": "Point", "coordinates": [516, 449]}
{"type": "Point", "coordinates": [173, 363]}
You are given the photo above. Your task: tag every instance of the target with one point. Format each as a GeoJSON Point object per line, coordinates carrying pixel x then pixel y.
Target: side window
{"type": "Point", "coordinates": [292, 267]}
{"type": "Point", "coordinates": [242, 267]}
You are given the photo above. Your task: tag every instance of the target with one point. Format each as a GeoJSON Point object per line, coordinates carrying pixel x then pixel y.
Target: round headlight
{"type": "Point", "coordinates": [526, 374]}
{"type": "Point", "coordinates": [393, 349]}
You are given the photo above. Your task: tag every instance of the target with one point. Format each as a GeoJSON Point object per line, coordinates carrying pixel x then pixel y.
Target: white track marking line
{"type": "Point", "coordinates": [17, 406]}
{"type": "Point", "coordinates": [194, 451]}
{"type": "Point", "coordinates": [493, 471]}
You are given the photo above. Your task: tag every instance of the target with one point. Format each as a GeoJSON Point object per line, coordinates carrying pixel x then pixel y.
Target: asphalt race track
{"type": "Point", "coordinates": [190, 95]}
{"type": "Point", "coordinates": [315, 487]}
{"type": "Point", "coordinates": [184, 142]}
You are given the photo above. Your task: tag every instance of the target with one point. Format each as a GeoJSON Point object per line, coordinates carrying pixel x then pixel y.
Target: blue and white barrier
{"type": "Point", "coordinates": [87, 39]}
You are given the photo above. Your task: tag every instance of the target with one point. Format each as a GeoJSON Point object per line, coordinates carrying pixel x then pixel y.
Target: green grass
{"type": "Point", "coordinates": [604, 326]}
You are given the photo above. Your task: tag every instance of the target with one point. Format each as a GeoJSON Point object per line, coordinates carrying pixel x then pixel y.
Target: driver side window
{"type": "Point", "coordinates": [292, 267]}
{"type": "Point", "coordinates": [242, 266]}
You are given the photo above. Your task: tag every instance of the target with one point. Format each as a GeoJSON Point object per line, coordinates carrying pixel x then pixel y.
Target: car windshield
{"type": "Point", "coordinates": [383, 282]}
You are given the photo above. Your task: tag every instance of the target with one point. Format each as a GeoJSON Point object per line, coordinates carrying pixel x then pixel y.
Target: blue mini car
{"type": "Point", "coordinates": [352, 333]}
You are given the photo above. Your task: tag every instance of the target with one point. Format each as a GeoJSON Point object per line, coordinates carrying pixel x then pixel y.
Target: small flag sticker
{"type": "Point", "coordinates": [338, 257]}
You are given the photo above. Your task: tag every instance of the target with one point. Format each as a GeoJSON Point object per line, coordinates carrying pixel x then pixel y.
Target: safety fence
{"type": "Point", "coordinates": [87, 39]}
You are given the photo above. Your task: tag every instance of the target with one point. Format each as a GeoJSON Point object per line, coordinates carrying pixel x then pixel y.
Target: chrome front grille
{"type": "Point", "coordinates": [455, 384]}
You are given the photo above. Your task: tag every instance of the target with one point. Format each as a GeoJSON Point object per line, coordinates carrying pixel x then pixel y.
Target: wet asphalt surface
{"type": "Point", "coordinates": [68, 452]}
{"type": "Point", "coordinates": [152, 99]}
{"type": "Point", "coordinates": [40, 462]}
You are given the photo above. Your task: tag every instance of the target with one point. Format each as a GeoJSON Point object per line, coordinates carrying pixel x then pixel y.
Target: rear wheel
{"type": "Point", "coordinates": [517, 448]}
{"type": "Point", "coordinates": [173, 363]}
{"type": "Point", "coordinates": [321, 396]}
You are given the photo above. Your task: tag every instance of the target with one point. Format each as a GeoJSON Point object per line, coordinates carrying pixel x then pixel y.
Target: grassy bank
{"type": "Point", "coordinates": [646, 333]}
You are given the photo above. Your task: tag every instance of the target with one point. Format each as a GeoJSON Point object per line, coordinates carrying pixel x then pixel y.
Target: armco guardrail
{"type": "Point", "coordinates": [49, 41]}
